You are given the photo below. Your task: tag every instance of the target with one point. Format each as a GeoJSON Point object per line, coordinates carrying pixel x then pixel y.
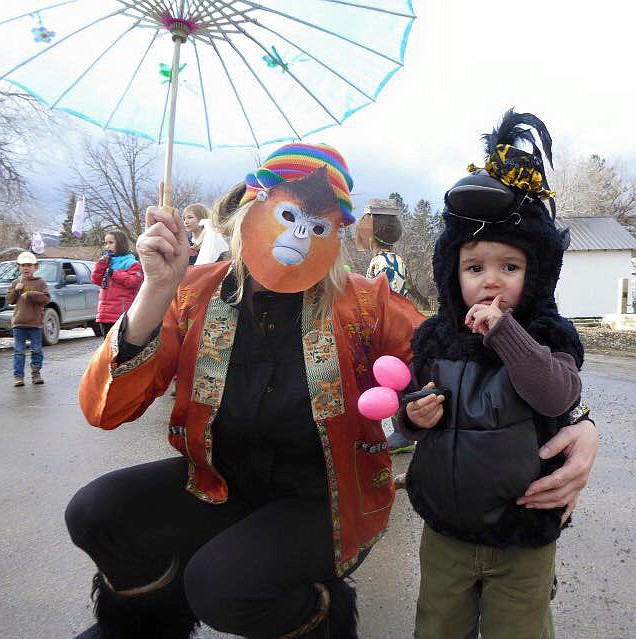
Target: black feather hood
{"type": "Point", "coordinates": [482, 208]}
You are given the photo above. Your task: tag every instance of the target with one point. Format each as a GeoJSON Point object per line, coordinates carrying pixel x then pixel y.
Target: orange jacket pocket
{"type": "Point", "coordinates": [374, 476]}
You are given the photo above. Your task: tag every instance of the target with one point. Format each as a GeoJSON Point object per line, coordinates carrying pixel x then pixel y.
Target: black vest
{"type": "Point", "coordinates": [467, 471]}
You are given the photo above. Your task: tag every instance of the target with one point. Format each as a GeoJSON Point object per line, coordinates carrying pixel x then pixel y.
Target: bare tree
{"type": "Point", "coordinates": [592, 187]}
{"type": "Point", "coordinates": [185, 190]}
{"type": "Point", "coordinates": [15, 133]}
{"type": "Point", "coordinates": [116, 178]}
{"type": "Point", "coordinates": [119, 178]}
{"type": "Point", "coordinates": [14, 231]}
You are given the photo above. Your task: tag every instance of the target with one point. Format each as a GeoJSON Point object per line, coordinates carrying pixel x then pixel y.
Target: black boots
{"type": "Point", "coordinates": [160, 614]}
{"type": "Point", "coordinates": [343, 612]}
{"type": "Point", "coordinates": [342, 620]}
{"type": "Point", "coordinates": [165, 614]}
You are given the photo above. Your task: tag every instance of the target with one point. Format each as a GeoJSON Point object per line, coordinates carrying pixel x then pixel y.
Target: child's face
{"type": "Point", "coordinates": [110, 244]}
{"type": "Point", "coordinates": [488, 269]}
{"type": "Point", "coordinates": [27, 270]}
{"type": "Point", "coordinates": [191, 222]}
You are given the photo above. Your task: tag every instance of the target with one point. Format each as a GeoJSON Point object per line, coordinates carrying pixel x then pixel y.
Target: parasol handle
{"type": "Point", "coordinates": [174, 85]}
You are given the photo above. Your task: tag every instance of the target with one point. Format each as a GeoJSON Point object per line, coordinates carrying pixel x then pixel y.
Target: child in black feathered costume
{"type": "Point", "coordinates": [504, 395]}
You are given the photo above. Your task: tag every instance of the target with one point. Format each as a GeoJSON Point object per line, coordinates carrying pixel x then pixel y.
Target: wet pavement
{"type": "Point", "coordinates": [48, 452]}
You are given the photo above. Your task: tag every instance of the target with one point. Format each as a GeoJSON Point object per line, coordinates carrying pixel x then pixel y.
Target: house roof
{"type": "Point", "coordinates": [597, 233]}
{"type": "Point", "coordinates": [73, 252]}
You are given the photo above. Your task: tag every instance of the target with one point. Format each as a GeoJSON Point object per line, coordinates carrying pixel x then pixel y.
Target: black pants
{"type": "Point", "coordinates": [246, 570]}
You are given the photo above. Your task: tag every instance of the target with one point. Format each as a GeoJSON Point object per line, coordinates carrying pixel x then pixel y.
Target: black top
{"type": "Point", "coordinates": [266, 443]}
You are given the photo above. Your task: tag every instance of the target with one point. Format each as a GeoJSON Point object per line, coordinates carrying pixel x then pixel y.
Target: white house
{"type": "Point", "coordinates": [600, 253]}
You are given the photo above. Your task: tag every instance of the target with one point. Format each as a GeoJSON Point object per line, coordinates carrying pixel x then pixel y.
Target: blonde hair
{"type": "Point", "coordinates": [200, 211]}
{"type": "Point", "coordinates": [228, 214]}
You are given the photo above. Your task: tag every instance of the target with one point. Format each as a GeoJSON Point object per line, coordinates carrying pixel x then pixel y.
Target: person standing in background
{"type": "Point", "coordinates": [378, 230]}
{"type": "Point", "coordinates": [206, 243]}
{"type": "Point", "coordinates": [120, 275]}
{"type": "Point", "coordinates": [30, 294]}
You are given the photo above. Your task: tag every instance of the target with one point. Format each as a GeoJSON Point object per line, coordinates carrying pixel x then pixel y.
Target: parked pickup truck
{"type": "Point", "coordinates": [73, 295]}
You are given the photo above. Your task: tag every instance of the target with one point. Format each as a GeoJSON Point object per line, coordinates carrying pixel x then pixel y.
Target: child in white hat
{"type": "Point", "coordinates": [30, 295]}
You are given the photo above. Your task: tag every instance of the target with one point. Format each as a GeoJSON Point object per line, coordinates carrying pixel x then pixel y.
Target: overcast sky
{"type": "Point", "coordinates": [573, 65]}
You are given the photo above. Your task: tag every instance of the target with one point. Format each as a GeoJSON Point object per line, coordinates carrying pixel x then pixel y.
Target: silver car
{"type": "Point", "coordinates": [73, 296]}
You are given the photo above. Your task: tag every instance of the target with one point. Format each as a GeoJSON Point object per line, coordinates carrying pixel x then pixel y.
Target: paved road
{"type": "Point", "coordinates": [48, 452]}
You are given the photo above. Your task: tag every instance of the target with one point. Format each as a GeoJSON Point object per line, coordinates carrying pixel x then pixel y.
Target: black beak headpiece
{"type": "Point", "coordinates": [511, 177]}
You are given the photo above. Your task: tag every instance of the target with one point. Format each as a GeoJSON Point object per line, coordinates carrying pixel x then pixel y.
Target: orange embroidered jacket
{"type": "Point", "coordinates": [195, 343]}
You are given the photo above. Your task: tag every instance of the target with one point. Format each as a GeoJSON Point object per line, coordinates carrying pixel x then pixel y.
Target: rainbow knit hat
{"type": "Point", "coordinates": [297, 160]}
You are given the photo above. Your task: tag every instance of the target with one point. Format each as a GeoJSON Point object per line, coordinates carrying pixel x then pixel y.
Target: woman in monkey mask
{"type": "Point", "coordinates": [282, 487]}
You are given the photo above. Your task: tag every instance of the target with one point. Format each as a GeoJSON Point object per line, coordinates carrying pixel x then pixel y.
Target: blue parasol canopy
{"type": "Point", "coordinates": [247, 73]}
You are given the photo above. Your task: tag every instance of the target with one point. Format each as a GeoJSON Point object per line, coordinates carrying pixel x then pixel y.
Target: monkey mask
{"type": "Point", "coordinates": [292, 231]}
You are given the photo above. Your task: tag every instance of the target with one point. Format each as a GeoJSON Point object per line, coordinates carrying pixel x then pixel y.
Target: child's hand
{"type": "Point", "coordinates": [19, 286]}
{"type": "Point", "coordinates": [426, 412]}
{"type": "Point", "coordinates": [482, 318]}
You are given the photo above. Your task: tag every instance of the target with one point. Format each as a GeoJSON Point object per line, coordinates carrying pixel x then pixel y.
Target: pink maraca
{"type": "Point", "coordinates": [383, 401]}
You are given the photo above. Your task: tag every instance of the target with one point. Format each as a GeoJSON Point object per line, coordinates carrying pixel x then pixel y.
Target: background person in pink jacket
{"type": "Point", "coordinates": [120, 276]}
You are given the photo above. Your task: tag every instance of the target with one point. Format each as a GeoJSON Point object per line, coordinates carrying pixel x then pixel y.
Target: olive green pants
{"type": "Point", "coordinates": [467, 589]}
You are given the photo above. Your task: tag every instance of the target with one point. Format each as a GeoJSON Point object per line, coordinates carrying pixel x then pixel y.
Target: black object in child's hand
{"type": "Point", "coordinates": [106, 277]}
{"type": "Point", "coordinates": [425, 392]}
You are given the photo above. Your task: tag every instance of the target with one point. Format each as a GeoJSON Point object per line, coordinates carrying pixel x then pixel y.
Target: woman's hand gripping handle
{"type": "Point", "coordinates": [163, 252]}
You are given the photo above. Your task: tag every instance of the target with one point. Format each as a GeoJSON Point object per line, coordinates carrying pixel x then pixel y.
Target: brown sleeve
{"type": "Point", "coordinates": [12, 294]}
{"type": "Point", "coordinates": [548, 381]}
